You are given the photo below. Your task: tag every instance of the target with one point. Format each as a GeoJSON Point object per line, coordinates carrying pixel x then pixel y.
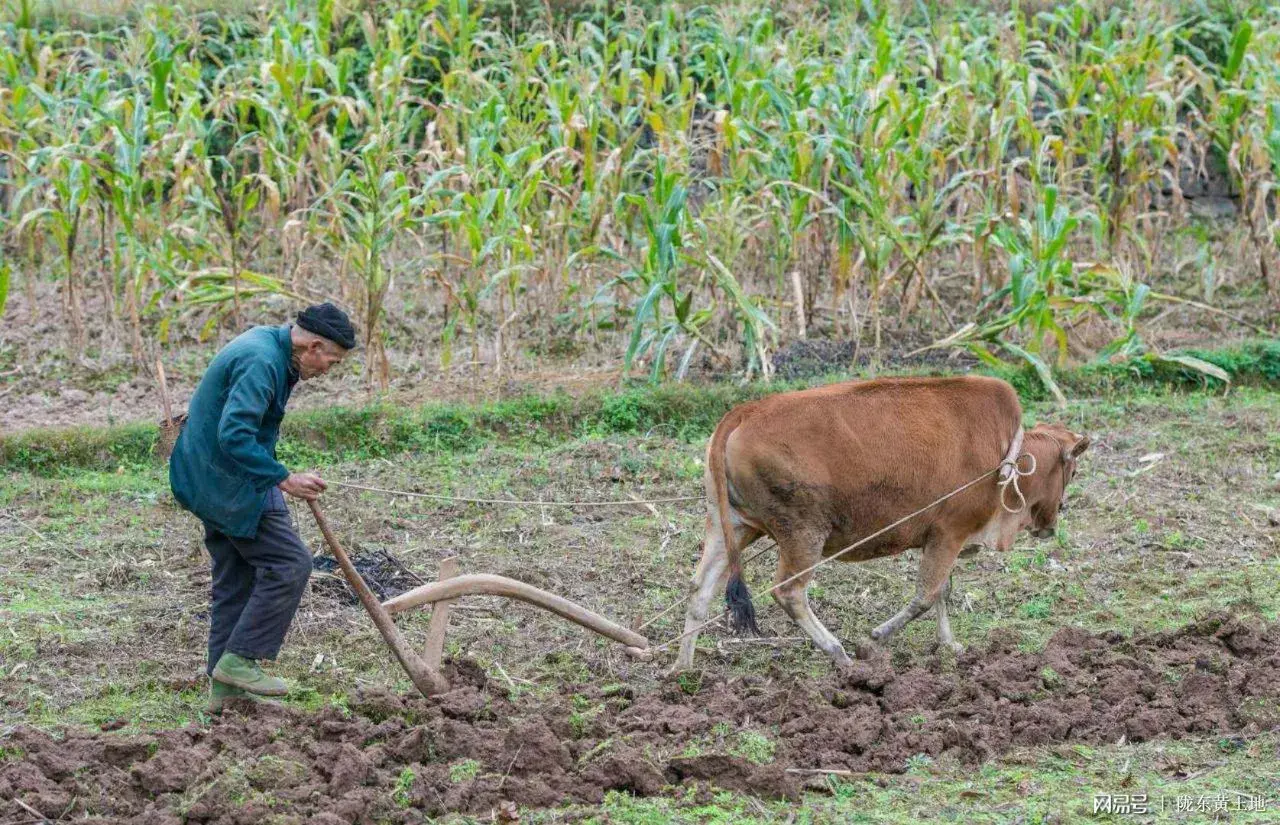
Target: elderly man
{"type": "Point", "coordinates": [224, 470]}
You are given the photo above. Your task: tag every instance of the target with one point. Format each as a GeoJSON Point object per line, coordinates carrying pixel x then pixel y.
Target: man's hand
{"type": "Point", "coordinates": [306, 486]}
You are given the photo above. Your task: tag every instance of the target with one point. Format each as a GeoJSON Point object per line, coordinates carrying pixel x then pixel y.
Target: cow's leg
{"type": "Point", "coordinates": [706, 582]}
{"type": "Point", "coordinates": [945, 639]}
{"type": "Point", "coordinates": [800, 553]}
{"type": "Point", "coordinates": [936, 562]}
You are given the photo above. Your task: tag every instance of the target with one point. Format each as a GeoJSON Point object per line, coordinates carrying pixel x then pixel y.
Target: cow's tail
{"type": "Point", "coordinates": [742, 613]}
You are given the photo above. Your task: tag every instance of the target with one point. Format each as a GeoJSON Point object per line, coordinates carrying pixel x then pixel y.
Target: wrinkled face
{"type": "Point", "coordinates": [1057, 451]}
{"type": "Point", "coordinates": [317, 356]}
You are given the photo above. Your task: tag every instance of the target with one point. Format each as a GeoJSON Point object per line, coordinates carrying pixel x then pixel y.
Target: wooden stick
{"type": "Point", "coordinates": [24, 806]}
{"type": "Point", "coordinates": [425, 678]}
{"type": "Point", "coordinates": [487, 584]}
{"type": "Point", "coordinates": [762, 640]}
{"type": "Point", "coordinates": [434, 651]}
{"type": "Point", "coordinates": [799, 291]}
{"type": "Point", "coordinates": [164, 392]}
{"type": "Point", "coordinates": [824, 771]}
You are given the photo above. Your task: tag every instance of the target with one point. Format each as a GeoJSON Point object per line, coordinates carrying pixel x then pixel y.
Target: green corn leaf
{"type": "Point", "coordinates": [1136, 301]}
{"type": "Point", "coordinates": [5, 271]}
{"type": "Point", "coordinates": [1060, 238]}
{"type": "Point", "coordinates": [682, 307]}
{"type": "Point", "coordinates": [980, 350]}
{"type": "Point", "coordinates": [660, 351]}
{"type": "Point", "coordinates": [646, 310]}
{"type": "Point", "coordinates": [1050, 204]}
{"type": "Point", "coordinates": [160, 71]}
{"type": "Point", "coordinates": [1042, 370]}
{"type": "Point", "coordinates": [207, 330]}
{"type": "Point", "coordinates": [1239, 45]}
{"type": "Point", "coordinates": [1197, 364]}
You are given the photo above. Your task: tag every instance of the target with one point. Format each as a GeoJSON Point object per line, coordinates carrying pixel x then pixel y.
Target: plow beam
{"type": "Point", "coordinates": [487, 584]}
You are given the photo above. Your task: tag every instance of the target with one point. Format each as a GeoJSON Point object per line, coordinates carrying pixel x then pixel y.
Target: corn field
{"type": "Point", "coordinates": [665, 182]}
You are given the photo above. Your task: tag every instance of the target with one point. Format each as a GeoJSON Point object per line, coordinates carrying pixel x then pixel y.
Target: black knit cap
{"type": "Point", "coordinates": [327, 321]}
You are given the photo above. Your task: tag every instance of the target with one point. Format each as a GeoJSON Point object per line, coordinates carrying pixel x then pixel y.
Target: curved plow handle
{"type": "Point", "coordinates": [487, 584]}
{"type": "Point", "coordinates": [424, 677]}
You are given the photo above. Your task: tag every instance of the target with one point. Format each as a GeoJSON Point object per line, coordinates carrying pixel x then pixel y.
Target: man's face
{"type": "Point", "coordinates": [317, 357]}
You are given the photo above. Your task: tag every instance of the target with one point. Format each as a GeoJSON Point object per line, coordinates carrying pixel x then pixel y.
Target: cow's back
{"type": "Point", "coordinates": [851, 458]}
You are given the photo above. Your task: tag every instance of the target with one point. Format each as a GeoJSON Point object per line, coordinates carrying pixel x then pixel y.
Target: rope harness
{"type": "Point", "coordinates": [1010, 472]}
{"type": "Point", "coordinates": [514, 502]}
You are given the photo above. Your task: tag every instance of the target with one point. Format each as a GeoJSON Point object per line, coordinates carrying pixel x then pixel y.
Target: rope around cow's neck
{"type": "Point", "coordinates": [1015, 473]}
{"type": "Point", "coordinates": [1012, 481]}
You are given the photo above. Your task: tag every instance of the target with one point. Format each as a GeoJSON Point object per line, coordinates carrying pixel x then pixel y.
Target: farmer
{"type": "Point", "coordinates": [224, 470]}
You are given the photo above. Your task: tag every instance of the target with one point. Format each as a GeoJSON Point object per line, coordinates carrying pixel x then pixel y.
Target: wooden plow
{"type": "Point", "coordinates": [424, 670]}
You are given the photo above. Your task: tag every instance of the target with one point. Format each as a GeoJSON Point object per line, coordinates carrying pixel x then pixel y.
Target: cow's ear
{"type": "Point", "coordinates": [1080, 446]}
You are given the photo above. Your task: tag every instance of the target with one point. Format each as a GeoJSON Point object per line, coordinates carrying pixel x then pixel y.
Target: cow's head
{"type": "Point", "coordinates": [1057, 451]}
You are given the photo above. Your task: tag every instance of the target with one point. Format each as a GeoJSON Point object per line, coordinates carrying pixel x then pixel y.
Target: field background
{"type": "Point", "coordinates": [581, 192]}
{"type": "Point", "coordinates": [574, 234]}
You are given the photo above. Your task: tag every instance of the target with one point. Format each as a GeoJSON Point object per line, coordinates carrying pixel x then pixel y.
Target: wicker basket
{"type": "Point", "coordinates": [170, 429]}
{"type": "Point", "coordinates": [171, 425]}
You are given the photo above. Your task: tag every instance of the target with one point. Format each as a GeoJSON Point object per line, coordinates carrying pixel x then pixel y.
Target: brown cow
{"type": "Point", "coordinates": [818, 470]}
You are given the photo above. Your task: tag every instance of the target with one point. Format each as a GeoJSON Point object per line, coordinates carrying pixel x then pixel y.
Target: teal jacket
{"type": "Point", "coordinates": [224, 463]}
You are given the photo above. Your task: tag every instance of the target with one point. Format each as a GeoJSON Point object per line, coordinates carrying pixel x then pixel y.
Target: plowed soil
{"type": "Point", "coordinates": [395, 758]}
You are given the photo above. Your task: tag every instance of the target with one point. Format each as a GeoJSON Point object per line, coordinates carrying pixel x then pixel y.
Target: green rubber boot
{"type": "Point", "coordinates": [245, 674]}
{"type": "Point", "coordinates": [220, 693]}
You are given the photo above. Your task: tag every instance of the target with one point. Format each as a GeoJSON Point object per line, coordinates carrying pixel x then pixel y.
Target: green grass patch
{"type": "Point", "coordinates": [144, 706]}
{"type": "Point", "coordinates": [50, 452]}
{"type": "Point", "coordinates": [11, 753]}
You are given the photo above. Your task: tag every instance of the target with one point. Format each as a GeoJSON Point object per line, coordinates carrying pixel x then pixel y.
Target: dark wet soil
{"type": "Point", "coordinates": [399, 759]}
{"type": "Point", "coordinates": [386, 576]}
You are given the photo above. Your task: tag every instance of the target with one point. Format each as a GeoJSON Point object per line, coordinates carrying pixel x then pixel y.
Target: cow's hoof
{"type": "Point", "coordinates": [678, 668]}
{"type": "Point", "coordinates": [955, 647]}
{"type": "Point", "coordinates": [642, 654]}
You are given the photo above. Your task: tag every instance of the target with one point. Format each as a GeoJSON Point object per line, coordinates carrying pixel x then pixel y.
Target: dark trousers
{"type": "Point", "coordinates": [257, 584]}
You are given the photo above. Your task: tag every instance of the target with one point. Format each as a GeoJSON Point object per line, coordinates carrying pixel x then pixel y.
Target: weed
{"type": "Point", "coordinates": [919, 763]}
{"type": "Point", "coordinates": [402, 795]}
{"type": "Point", "coordinates": [690, 681]}
{"type": "Point", "coordinates": [1038, 607]}
{"type": "Point", "coordinates": [464, 771]}
{"type": "Point", "coordinates": [755, 747]}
